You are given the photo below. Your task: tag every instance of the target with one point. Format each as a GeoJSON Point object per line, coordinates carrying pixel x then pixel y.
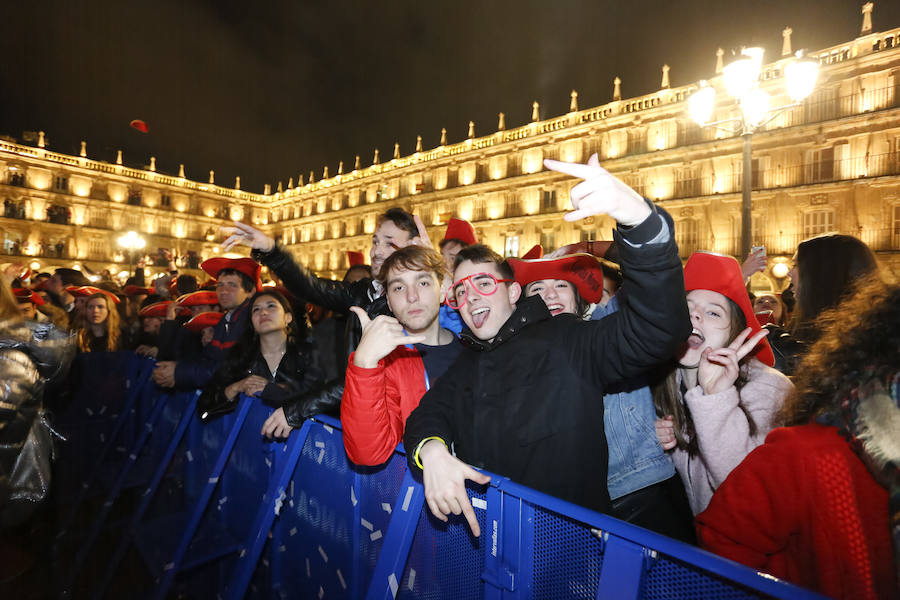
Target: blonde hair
{"type": "Point", "coordinates": [9, 306]}
{"type": "Point", "coordinates": [85, 334]}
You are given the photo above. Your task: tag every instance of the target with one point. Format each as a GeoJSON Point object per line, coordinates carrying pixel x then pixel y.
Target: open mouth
{"type": "Point", "coordinates": [479, 316]}
{"type": "Point", "coordinates": [696, 339]}
{"type": "Point", "coordinates": [555, 308]}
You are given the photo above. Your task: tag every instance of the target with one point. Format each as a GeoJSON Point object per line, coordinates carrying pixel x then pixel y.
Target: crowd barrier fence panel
{"type": "Point", "coordinates": [296, 519]}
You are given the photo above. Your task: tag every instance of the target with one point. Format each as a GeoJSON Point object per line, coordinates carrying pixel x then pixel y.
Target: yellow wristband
{"type": "Point", "coordinates": [419, 447]}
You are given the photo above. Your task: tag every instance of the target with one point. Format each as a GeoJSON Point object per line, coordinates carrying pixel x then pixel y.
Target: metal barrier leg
{"type": "Point", "coordinates": [85, 546]}
{"type": "Point", "coordinates": [173, 566]}
{"type": "Point", "coordinates": [622, 576]}
{"type": "Point", "coordinates": [130, 530]}
{"type": "Point", "coordinates": [508, 564]}
{"type": "Point", "coordinates": [397, 541]}
{"type": "Point", "coordinates": [262, 523]}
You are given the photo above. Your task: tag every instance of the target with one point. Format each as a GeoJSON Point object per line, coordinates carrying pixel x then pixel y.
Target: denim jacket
{"type": "Point", "coordinates": [636, 460]}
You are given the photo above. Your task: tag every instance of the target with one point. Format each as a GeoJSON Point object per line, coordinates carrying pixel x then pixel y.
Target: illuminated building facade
{"type": "Point", "coordinates": [828, 165]}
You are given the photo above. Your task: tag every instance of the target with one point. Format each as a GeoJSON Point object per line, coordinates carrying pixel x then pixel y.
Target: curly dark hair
{"type": "Point", "coordinates": [859, 338]}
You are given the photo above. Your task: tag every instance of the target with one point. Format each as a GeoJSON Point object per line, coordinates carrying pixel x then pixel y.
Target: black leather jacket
{"type": "Point", "coordinates": [336, 296]}
{"type": "Point", "coordinates": [294, 378]}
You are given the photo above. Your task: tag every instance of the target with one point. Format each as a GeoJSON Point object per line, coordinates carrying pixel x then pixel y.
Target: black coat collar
{"type": "Point", "coordinates": [528, 311]}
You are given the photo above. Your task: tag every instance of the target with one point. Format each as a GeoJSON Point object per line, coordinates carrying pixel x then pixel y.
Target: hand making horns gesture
{"type": "Point", "coordinates": [719, 367]}
{"type": "Point", "coordinates": [601, 193]}
{"type": "Point", "coordinates": [379, 338]}
{"type": "Point", "coordinates": [243, 234]}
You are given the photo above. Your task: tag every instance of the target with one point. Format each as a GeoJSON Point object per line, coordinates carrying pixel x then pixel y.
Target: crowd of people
{"type": "Point", "coordinates": [762, 427]}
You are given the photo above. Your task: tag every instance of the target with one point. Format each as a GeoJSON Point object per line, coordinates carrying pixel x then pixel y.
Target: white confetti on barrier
{"type": "Point", "coordinates": [341, 578]}
{"type": "Point", "coordinates": [321, 593]}
{"type": "Point", "coordinates": [367, 525]}
{"type": "Point", "coordinates": [190, 456]}
{"type": "Point", "coordinates": [322, 552]}
{"type": "Point", "coordinates": [265, 562]}
{"type": "Point", "coordinates": [375, 535]}
{"type": "Point", "coordinates": [169, 566]}
{"type": "Point", "coordinates": [479, 503]}
{"type": "Point", "coordinates": [279, 502]}
{"type": "Point", "coordinates": [412, 579]}
{"type": "Point", "coordinates": [386, 507]}
{"type": "Point", "coordinates": [320, 444]}
{"type": "Point", "coordinates": [328, 428]}
{"type": "Point", "coordinates": [89, 411]}
{"type": "Point", "coordinates": [282, 548]}
{"type": "Point", "coordinates": [407, 498]}
{"type": "Point", "coordinates": [392, 581]}
{"type": "Point", "coordinates": [102, 410]}
{"type": "Point", "coordinates": [213, 480]}
{"type": "Point", "coordinates": [243, 552]}
{"type": "Point", "coordinates": [132, 456]}
{"type": "Point", "coordinates": [353, 499]}
{"type": "Point", "coordinates": [268, 463]}
{"type": "Point", "coordinates": [307, 568]}
{"type": "Point", "coordinates": [223, 500]}
{"type": "Point", "coordinates": [292, 532]}
{"type": "Point", "coordinates": [321, 456]}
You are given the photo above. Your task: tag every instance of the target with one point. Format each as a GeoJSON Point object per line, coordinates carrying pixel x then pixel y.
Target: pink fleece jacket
{"type": "Point", "coordinates": [723, 431]}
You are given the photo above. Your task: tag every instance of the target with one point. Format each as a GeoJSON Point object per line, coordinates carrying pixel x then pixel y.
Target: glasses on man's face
{"type": "Point", "coordinates": [483, 283]}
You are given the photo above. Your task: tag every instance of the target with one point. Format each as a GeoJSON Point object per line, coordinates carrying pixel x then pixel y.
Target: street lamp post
{"type": "Point", "coordinates": [130, 242]}
{"type": "Point", "coordinates": [741, 81]}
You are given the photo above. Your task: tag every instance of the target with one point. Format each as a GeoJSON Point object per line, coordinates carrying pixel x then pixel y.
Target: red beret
{"type": "Point", "coordinates": [198, 299]}
{"type": "Point", "coordinates": [536, 252]}
{"type": "Point", "coordinates": [722, 274]}
{"type": "Point", "coordinates": [203, 320]}
{"type": "Point", "coordinates": [355, 258]}
{"type": "Point", "coordinates": [247, 266]}
{"type": "Point", "coordinates": [136, 290]}
{"type": "Point", "coordinates": [89, 290]}
{"type": "Point", "coordinates": [159, 309]}
{"type": "Point", "coordinates": [24, 295]}
{"type": "Point", "coordinates": [457, 229]}
{"type": "Point", "coordinates": [209, 284]}
{"type": "Point", "coordinates": [581, 270]}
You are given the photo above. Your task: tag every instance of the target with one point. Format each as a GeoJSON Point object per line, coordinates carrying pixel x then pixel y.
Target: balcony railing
{"type": "Point", "coordinates": [886, 239]}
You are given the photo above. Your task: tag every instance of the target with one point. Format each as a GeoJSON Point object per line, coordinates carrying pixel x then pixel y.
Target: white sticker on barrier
{"type": "Point", "coordinates": [102, 410]}
{"type": "Point", "coordinates": [243, 552]}
{"type": "Point", "coordinates": [321, 456]}
{"type": "Point", "coordinates": [322, 552]}
{"type": "Point", "coordinates": [367, 525]}
{"type": "Point", "coordinates": [213, 480]}
{"type": "Point", "coordinates": [412, 579]}
{"type": "Point", "coordinates": [375, 535]}
{"type": "Point", "coordinates": [169, 566]}
{"type": "Point", "coordinates": [392, 581]}
{"type": "Point", "coordinates": [268, 463]}
{"type": "Point", "coordinates": [479, 503]}
{"type": "Point", "coordinates": [89, 412]}
{"type": "Point", "coordinates": [328, 428]}
{"type": "Point", "coordinates": [341, 579]}
{"type": "Point", "coordinates": [279, 502]}
{"type": "Point", "coordinates": [320, 444]}
{"type": "Point", "coordinates": [321, 593]}
{"type": "Point", "coordinates": [282, 548]}
{"type": "Point", "coordinates": [386, 507]}
{"type": "Point", "coordinates": [190, 456]}
{"type": "Point", "coordinates": [292, 532]}
{"type": "Point", "coordinates": [307, 568]}
{"type": "Point", "coordinates": [353, 499]}
{"type": "Point", "coordinates": [223, 500]}
{"type": "Point", "coordinates": [407, 498]}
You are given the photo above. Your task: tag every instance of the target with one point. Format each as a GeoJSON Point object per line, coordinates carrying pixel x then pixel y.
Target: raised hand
{"type": "Point", "coordinates": [444, 477]}
{"type": "Point", "coordinates": [245, 235]}
{"type": "Point", "coordinates": [719, 368]}
{"type": "Point", "coordinates": [754, 263]}
{"type": "Point", "coordinates": [422, 238]}
{"type": "Point", "coordinates": [379, 338]}
{"type": "Point", "coordinates": [600, 193]}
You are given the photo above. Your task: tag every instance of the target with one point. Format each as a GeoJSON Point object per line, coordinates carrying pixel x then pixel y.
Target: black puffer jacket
{"type": "Point", "coordinates": [32, 356]}
{"type": "Point", "coordinates": [336, 296]}
{"type": "Point", "coordinates": [528, 404]}
{"type": "Point", "coordinates": [294, 378]}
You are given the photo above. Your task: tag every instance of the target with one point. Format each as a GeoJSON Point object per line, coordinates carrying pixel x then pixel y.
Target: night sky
{"type": "Point", "coordinates": [271, 89]}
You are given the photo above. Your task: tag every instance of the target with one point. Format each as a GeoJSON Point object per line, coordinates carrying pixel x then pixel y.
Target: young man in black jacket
{"type": "Point", "coordinates": [525, 398]}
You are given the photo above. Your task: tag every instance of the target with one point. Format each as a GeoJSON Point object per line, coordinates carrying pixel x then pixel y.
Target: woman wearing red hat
{"type": "Point", "coordinates": [720, 396]}
{"type": "Point", "coordinates": [642, 483]}
{"type": "Point", "coordinates": [98, 329]}
{"type": "Point", "coordinates": [271, 361]}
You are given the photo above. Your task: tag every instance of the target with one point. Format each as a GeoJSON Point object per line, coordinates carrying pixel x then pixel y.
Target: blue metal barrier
{"type": "Point", "coordinates": [247, 517]}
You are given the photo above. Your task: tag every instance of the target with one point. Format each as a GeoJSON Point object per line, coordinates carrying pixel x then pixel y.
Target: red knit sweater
{"type": "Point", "coordinates": [804, 508]}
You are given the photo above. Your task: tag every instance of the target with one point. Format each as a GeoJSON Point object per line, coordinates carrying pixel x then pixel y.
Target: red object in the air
{"type": "Point", "coordinates": [140, 126]}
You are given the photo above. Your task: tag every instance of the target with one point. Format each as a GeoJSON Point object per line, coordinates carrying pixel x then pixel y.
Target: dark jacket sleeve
{"type": "Point", "coordinates": [434, 416]}
{"type": "Point", "coordinates": [333, 295]}
{"type": "Point", "coordinates": [653, 320]}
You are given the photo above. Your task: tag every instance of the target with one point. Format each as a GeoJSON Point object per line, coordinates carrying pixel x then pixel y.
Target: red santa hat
{"type": "Point", "coordinates": [25, 295]}
{"type": "Point", "coordinates": [536, 251]}
{"type": "Point", "coordinates": [200, 322]}
{"type": "Point", "coordinates": [581, 270]}
{"type": "Point", "coordinates": [722, 274]}
{"type": "Point", "coordinates": [355, 258]}
{"type": "Point", "coordinates": [136, 290]}
{"type": "Point", "coordinates": [159, 309]}
{"type": "Point", "coordinates": [458, 229]}
{"type": "Point", "coordinates": [203, 297]}
{"type": "Point", "coordinates": [247, 266]}
{"type": "Point", "coordinates": [83, 291]}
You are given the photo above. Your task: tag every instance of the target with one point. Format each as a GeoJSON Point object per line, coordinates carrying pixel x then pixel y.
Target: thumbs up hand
{"type": "Point", "coordinates": [379, 338]}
